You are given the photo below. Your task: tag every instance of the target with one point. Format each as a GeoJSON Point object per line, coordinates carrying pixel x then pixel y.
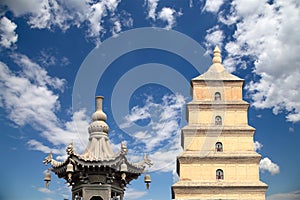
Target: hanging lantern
{"type": "Point", "coordinates": [47, 178]}
{"type": "Point", "coordinates": [147, 180]}
{"type": "Point", "coordinates": [123, 167]}
{"type": "Point", "coordinates": [70, 170]}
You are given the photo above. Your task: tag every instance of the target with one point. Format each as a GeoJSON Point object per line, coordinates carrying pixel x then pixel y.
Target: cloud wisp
{"type": "Point", "coordinates": [166, 14]}
{"type": "Point", "coordinates": [161, 136]}
{"type": "Point", "coordinates": [293, 195]}
{"type": "Point", "coordinates": [8, 35]}
{"type": "Point", "coordinates": [266, 164]}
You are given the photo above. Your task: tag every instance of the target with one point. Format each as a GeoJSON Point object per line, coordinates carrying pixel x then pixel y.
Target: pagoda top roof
{"type": "Point", "coordinates": [217, 72]}
{"type": "Point", "coordinates": [98, 151]}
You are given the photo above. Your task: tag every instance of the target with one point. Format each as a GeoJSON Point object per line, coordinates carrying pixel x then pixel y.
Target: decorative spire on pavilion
{"type": "Point", "coordinates": [99, 147]}
{"type": "Point", "coordinates": [98, 171]}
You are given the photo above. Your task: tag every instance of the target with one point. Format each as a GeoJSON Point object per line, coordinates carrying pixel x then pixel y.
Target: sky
{"type": "Point", "coordinates": [57, 55]}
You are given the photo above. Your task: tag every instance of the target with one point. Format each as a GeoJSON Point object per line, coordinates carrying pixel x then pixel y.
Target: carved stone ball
{"type": "Point", "coordinates": [99, 115]}
{"type": "Point", "coordinates": [98, 126]}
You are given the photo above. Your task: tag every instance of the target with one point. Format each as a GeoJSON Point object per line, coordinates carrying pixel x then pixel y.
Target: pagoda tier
{"type": "Point", "coordinates": [98, 164]}
{"type": "Point", "coordinates": [218, 161]}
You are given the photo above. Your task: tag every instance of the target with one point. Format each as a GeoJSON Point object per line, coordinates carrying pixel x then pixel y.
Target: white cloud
{"type": "Point", "coordinates": [45, 190]}
{"type": "Point", "coordinates": [267, 165]}
{"type": "Point", "coordinates": [266, 33]}
{"type": "Point", "coordinates": [112, 4]}
{"type": "Point", "coordinates": [20, 7]}
{"type": "Point", "coordinates": [168, 15]}
{"type": "Point", "coordinates": [134, 194]}
{"type": "Point", "coordinates": [47, 198]}
{"type": "Point", "coordinates": [214, 36]}
{"type": "Point", "coordinates": [36, 73]}
{"type": "Point", "coordinates": [117, 27]}
{"type": "Point", "coordinates": [65, 14]}
{"type": "Point", "coordinates": [161, 137]}
{"type": "Point", "coordinates": [36, 145]}
{"type": "Point", "coordinates": [164, 159]}
{"type": "Point", "coordinates": [257, 146]}
{"type": "Point", "coordinates": [97, 11]}
{"type": "Point", "coordinates": [8, 36]}
{"type": "Point", "coordinates": [24, 101]}
{"type": "Point", "coordinates": [137, 113]}
{"type": "Point", "coordinates": [293, 195]}
{"type": "Point", "coordinates": [191, 3]}
{"type": "Point", "coordinates": [28, 100]}
{"type": "Point", "coordinates": [152, 5]}
{"type": "Point", "coordinates": [47, 58]}
{"type": "Point", "coordinates": [248, 7]}
{"type": "Point", "coordinates": [213, 5]}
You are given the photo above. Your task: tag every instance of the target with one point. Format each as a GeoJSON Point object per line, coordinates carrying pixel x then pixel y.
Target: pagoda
{"type": "Point", "coordinates": [98, 173]}
{"type": "Point", "coordinates": [218, 159]}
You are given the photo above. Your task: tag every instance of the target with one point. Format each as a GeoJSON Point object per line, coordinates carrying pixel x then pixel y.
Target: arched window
{"type": "Point", "coordinates": [219, 174]}
{"type": "Point", "coordinates": [217, 96]}
{"type": "Point", "coordinates": [219, 147]}
{"type": "Point", "coordinates": [218, 120]}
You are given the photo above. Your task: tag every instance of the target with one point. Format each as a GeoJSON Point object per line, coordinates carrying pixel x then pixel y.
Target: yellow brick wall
{"type": "Point", "coordinates": [207, 117]}
{"type": "Point", "coordinates": [207, 172]}
{"type": "Point", "coordinates": [229, 91]}
{"type": "Point", "coordinates": [230, 143]}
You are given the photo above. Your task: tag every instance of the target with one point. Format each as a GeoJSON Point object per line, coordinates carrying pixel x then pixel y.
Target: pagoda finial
{"type": "Point", "coordinates": [99, 114]}
{"type": "Point", "coordinates": [217, 55]}
{"type": "Point", "coordinates": [98, 147]}
{"type": "Point", "coordinates": [99, 118]}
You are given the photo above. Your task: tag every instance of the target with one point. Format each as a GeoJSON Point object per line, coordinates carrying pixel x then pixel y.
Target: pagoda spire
{"type": "Point", "coordinates": [99, 147]}
{"type": "Point", "coordinates": [217, 55]}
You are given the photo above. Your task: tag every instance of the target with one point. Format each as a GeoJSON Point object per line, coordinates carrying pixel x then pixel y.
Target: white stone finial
{"type": "Point", "coordinates": [217, 55]}
{"type": "Point", "coordinates": [99, 118]}
{"type": "Point", "coordinates": [99, 114]}
{"type": "Point", "coordinates": [99, 100]}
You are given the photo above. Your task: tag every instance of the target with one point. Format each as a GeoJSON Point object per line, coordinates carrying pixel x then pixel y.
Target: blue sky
{"type": "Point", "coordinates": [55, 56]}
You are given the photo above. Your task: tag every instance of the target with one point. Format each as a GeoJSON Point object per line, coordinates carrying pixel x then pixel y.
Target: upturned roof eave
{"type": "Point", "coordinates": [77, 160]}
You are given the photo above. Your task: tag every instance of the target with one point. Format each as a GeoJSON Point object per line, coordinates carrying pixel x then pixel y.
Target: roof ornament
{"type": "Point", "coordinates": [99, 119]}
{"type": "Point", "coordinates": [123, 148]}
{"type": "Point", "coordinates": [49, 159]}
{"type": "Point", "coordinates": [217, 55]}
{"type": "Point", "coordinates": [70, 149]}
